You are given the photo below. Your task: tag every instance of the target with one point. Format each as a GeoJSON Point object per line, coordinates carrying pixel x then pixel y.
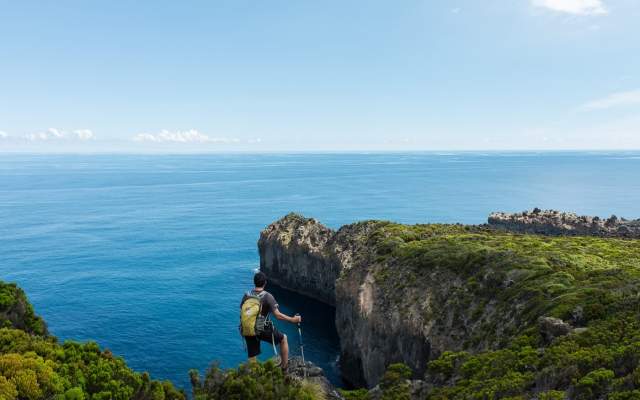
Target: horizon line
{"type": "Point", "coordinates": [310, 151]}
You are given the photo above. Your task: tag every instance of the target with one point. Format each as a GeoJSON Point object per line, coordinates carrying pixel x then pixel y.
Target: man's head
{"type": "Point", "coordinates": [260, 279]}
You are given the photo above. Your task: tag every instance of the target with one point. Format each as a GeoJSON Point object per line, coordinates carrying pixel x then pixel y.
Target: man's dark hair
{"type": "Point", "coordinates": [260, 279]}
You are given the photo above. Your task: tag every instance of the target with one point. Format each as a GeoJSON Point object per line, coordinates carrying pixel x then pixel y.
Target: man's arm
{"type": "Point", "coordinates": [273, 305]}
{"type": "Point", "coordinates": [283, 317]}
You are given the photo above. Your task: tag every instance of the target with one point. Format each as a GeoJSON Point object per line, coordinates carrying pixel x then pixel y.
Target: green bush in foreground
{"type": "Point", "coordinates": [252, 380]}
{"type": "Point", "coordinates": [35, 367]}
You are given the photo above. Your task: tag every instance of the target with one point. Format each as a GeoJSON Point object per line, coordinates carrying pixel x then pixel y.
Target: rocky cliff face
{"type": "Point", "coordinates": [378, 321]}
{"type": "Point", "coordinates": [551, 222]}
{"type": "Point", "coordinates": [408, 293]}
{"type": "Point", "coordinates": [302, 255]}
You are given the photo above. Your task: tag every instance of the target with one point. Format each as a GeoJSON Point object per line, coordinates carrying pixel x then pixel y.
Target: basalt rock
{"type": "Point", "coordinates": [551, 328]}
{"type": "Point", "coordinates": [552, 222]}
{"type": "Point", "coordinates": [310, 372]}
{"type": "Point", "coordinates": [294, 255]}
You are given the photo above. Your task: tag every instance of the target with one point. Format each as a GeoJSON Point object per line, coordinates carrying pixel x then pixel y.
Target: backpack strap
{"type": "Point", "coordinates": [245, 297]}
{"type": "Point", "coordinates": [260, 296]}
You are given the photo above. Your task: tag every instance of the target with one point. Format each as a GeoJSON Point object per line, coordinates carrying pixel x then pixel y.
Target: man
{"type": "Point", "coordinates": [271, 335]}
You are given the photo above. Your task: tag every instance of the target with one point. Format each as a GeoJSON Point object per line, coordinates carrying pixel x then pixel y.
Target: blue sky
{"type": "Point", "coordinates": [309, 75]}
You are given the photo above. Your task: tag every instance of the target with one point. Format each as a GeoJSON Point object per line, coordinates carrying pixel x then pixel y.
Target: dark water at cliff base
{"type": "Point", "coordinates": [318, 330]}
{"type": "Point", "coordinates": [150, 255]}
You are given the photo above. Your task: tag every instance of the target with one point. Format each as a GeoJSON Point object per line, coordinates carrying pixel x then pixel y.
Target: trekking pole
{"type": "Point", "coordinates": [304, 369]}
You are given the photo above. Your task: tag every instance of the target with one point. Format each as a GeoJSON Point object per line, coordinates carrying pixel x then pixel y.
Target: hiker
{"type": "Point", "coordinates": [255, 324]}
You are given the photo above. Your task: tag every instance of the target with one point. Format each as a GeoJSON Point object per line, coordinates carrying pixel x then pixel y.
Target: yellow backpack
{"type": "Point", "coordinates": [251, 319]}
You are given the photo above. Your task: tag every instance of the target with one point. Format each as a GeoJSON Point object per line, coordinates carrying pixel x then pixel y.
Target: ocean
{"type": "Point", "coordinates": [149, 255]}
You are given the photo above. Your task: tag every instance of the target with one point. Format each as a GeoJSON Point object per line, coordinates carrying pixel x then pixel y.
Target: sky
{"type": "Point", "coordinates": [260, 76]}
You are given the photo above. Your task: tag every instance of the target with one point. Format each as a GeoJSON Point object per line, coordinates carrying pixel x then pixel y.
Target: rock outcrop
{"type": "Point", "coordinates": [551, 328]}
{"type": "Point", "coordinates": [294, 255]}
{"type": "Point", "coordinates": [312, 373]}
{"type": "Point", "coordinates": [551, 222]}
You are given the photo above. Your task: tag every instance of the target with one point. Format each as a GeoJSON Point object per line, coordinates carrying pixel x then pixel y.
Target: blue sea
{"type": "Point", "coordinates": [149, 255]}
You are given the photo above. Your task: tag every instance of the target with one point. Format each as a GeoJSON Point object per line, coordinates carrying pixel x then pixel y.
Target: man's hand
{"type": "Point", "coordinates": [296, 319]}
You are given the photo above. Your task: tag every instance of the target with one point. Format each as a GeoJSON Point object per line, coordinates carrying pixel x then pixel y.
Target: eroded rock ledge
{"type": "Point", "coordinates": [294, 253]}
{"type": "Point", "coordinates": [552, 222]}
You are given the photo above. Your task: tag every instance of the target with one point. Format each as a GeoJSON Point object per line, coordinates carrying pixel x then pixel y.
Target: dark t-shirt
{"type": "Point", "coordinates": [268, 302]}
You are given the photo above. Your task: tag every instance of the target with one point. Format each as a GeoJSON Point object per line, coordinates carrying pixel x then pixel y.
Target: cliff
{"type": "Point", "coordinates": [551, 222]}
{"type": "Point", "coordinates": [376, 326]}
{"type": "Point", "coordinates": [305, 256]}
{"type": "Point", "coordinates": [416, 294]}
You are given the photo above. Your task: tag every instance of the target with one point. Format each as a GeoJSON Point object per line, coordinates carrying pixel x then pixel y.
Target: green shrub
{"type": "Point", "coordinates": [447, 363]}
{"type": "Point", "coordinates": [35, 367]}
{"type": "Point", "coordinates": [75, 393]}
{"type": "Point", "coordinates": [358, 394]}
{"type": "Point", "coordinates": [552, 395]}
{"type": "Point", "coordinates": [251, 380]}
{"type": "Point", "coordinates": [394, 383]}
{"type": "Point", "coordinates": [594, 384]}
{"type": "Point", "coordinates": [626, 395]}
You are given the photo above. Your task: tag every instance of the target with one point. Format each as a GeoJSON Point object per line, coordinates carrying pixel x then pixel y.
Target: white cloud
{"type": "Point", "coordinates": [613, 100]}
{"type": "Point", "coordinates": [456, 10]}
{"type": "Point", "coordinates": [190, 136]}
{"type": "Point", "coordinates": [578, 7]}
{"type": "Point", "coordinates": [3, 135]}
{"type": "Point", "coordinates": [84, 134]}
{"type": "Point", "coordinates": [53, 134]}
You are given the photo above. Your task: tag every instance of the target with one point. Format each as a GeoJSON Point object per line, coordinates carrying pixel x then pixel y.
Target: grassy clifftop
{"type": "Point", "coordinates": [35, 366]}
{"type": "Point", "coordinates": [536, 316]}
{"type": "Point", "coordinates": [578, 279]}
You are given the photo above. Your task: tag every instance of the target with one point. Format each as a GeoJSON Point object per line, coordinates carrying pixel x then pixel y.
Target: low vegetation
{"type": "Point", "coordinates": [252, 380]}
{"type": "Point", "coordinates": [500, 284]}
{"type": "Point", "coordinates": [395, 385]}
{"type": "Point", "coordinates": [599, 362]}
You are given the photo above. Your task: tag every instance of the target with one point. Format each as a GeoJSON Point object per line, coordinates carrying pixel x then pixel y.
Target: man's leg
{"type": "Point", "coordinates": [279, 339]}
{"type": "Point", "coordinates": [253, 348]}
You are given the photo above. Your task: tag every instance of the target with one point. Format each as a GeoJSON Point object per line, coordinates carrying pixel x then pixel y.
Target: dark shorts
{"type": "Point", "coordinates": [253, 342]}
